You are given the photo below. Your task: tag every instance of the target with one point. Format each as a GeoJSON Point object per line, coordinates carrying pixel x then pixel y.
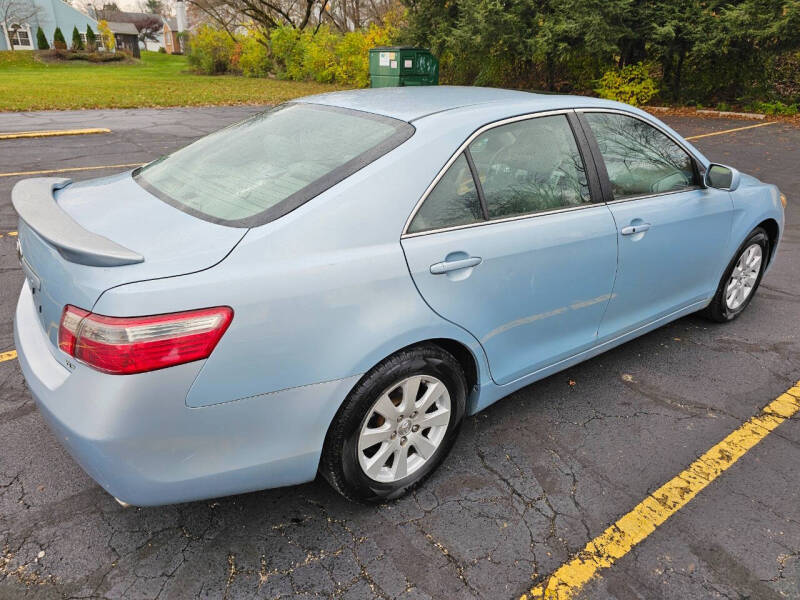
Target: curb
{"type": "Point", "coordinates": [727, 113]}
{"type": "Point", "coordinates": [711, 113]}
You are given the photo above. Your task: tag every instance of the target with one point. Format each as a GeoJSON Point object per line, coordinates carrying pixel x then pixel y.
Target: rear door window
{"type": "Point", "coordinates": [520, 168]}
{"type": "Point", "coordinates": [530, 166]}
{"type": "Point", "coordinates": [260, 169]}
{"type": "Point", "coordinates": [453, 202]}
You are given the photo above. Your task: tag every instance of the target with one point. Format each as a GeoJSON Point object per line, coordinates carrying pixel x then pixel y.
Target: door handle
{"type": "Point", "coordinates": [631, 229]}
{"type": "Point", "coordinates": [454, 265]}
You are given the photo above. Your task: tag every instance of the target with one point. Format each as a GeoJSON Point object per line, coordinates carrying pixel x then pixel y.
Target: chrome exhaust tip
{"type": "Point", "coordinates": [122, 503]}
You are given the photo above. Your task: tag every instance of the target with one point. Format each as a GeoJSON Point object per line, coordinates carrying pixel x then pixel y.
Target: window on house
{"type": "Point", "coordinates": [98, 41]}
{"type": "Point", "coordinates": [19, 36]}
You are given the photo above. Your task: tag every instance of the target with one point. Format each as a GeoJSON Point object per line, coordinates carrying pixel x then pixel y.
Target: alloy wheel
{"type": "Point", "coordinates": [744, 276]}
{"type": "Point", "coordinates": [404, 428]}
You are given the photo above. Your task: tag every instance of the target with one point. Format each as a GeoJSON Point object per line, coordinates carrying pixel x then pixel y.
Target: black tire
{"type": "Point", "coordinates": [718, 310]}
{"type": "Point", "coordinates": [339, 464]}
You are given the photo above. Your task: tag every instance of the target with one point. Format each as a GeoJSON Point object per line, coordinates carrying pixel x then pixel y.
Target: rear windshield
{"type": "Point", "coordinates": [260, 169]}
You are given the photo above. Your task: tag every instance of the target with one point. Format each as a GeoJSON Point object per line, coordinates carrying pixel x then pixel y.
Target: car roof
{"type": "Point", "coordinates": [412, 103]}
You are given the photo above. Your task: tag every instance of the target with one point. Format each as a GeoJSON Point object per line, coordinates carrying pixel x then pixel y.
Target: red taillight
{"type": "Point", "coordinates": [125, 345]}
{"type": "Point", "coordinates": [68, 330]}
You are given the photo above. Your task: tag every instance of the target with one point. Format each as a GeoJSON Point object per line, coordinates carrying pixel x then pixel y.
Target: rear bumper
{"type": "Point", "coordinates": [136, 437]}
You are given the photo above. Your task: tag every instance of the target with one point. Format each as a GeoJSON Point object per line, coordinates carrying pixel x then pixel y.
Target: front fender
{"type": "Point", "coordinates": [753, 204]}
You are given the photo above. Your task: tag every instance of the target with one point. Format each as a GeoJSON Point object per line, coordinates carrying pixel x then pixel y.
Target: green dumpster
{"type": "Point", "coordinates": [393, 66]}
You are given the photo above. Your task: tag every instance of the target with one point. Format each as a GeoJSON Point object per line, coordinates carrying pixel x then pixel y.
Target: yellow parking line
{"type": "Point", "coordinates": [69, 170]}
{"type": "Point", "coordinates": [616, 541]}
{"type": "Point", "coordinates": [11, 355]}
{"type": "Point", "coordinates": [13, 135]}
{"type": "Point", "coordinates": [705, 135]}
{"type": "Point", "coordinates": [9, 234]}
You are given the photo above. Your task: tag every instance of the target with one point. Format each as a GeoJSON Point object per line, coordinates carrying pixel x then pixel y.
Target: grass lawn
{"type": "Point", "coordinates": [156, 80]}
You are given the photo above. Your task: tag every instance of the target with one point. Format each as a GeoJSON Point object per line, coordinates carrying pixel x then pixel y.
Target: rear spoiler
{"type": "Point", "coordinates": [34, 202]}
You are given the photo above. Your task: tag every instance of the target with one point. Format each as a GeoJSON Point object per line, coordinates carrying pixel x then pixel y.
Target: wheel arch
{"type": "Point", "coordinates": [773, 233]}
{"type": "Point", "coordinates": [463, 355]}
{"type": "Point", "coordinates": [460, 351]}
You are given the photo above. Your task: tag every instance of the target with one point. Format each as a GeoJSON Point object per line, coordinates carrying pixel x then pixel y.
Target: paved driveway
{"type": "Point", "coordinates": [530, 481]}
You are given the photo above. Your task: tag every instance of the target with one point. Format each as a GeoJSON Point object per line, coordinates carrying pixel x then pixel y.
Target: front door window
{"type": "Point", "coordinates": [640, 159]}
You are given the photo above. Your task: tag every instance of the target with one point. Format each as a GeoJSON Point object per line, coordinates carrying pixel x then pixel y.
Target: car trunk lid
{"type": "Point", "coordinates": [77, 240]}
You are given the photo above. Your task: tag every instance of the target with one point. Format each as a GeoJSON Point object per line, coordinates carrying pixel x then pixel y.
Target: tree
{"type": "Point", "coordinates": [17, 12]}
{"type": "Point", "coordinates": [41, 39]}
{"type": "Point", "coordinates": [733, 53]}
{"type": "Point", "coordinates": [58, 40]}
{"type": "Point", "coordinates": [271, 13]}
{"type": "Point", "coordinates": [219, 13]}
{"type": "Point", "coordinates": [349, 15]}
{"type": "Point", "coordinates": [533, 43]}
{"type": "Point", "coordinates": [109, 41]}
{"type": "Point", "coordinates": [700, 50]}
{"type": "Point", "coordinates": [264, 15]}
{"type": "Point", "coordinates": [572, 28]}
{"type": "Point", "coordinates": [149, 26]}
{"type": "Point", "coordinates": [77, 42]}
{"type": "Point", "coordinates": [710, 49]}
{"type": "Point", "coordinates": [91, 39]}
{"type": "Point", "coordinates": [155, 7]}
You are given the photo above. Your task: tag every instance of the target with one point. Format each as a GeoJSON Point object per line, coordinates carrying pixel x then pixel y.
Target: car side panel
{"type": "Point", "coordinates": [671, 265]}
{"type": "Point", "coordinates": [314, 302]}
{"type": "Point", "coordinates": [490, 394]}
{"type": "Point", "coordinates": [297, 321]}
{"type": "Point", "coordinates": [137, 438]}
{"type": "Point", "coordinates": [299, 286]}
{"type": "Point", "coordinates": [538, 294]}
{"type": "Point", "coordinates": [753, 203]}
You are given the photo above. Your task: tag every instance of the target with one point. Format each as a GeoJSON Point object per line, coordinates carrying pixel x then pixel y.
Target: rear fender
{"type": "Point", "coordinates": [298, 320]}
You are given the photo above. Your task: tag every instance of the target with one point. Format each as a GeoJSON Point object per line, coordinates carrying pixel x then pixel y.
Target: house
{"type": "Point", "coordinates": [26, 16]}
{"type": "Point", "coordinates": [174, 43]}
{"type": "Point", "coordinates": [126, 37]}
{"type": "Point", "coordinates": [121, 16]}
{"type": "Point", "coordinates": [144, 23]}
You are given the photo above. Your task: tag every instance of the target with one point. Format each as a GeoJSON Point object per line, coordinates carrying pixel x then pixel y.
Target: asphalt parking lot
{"type": "Point", "coordinates": [530, 481]}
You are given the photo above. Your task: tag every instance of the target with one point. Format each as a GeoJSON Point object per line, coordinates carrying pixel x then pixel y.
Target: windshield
{"type": "Point", "coordinates": [260, 169]}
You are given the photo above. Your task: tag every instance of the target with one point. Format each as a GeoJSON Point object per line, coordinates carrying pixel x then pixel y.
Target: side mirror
{"type": "Point", "coordinates": [722, 177]}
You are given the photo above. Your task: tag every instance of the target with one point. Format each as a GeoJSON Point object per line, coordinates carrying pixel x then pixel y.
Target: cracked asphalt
{"type": "Point", "coordinates": [530, 481]}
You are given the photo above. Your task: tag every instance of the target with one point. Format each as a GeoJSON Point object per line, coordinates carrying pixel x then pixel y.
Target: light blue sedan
{"type": "Point", "coordinates": [331, 286]}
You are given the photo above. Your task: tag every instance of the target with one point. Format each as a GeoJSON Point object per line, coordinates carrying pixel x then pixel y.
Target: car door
{"type": "Point", "coordinates": [508, 244]}
{"type": "Point", "coordinates": [673, 232]}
